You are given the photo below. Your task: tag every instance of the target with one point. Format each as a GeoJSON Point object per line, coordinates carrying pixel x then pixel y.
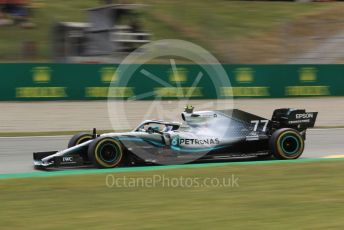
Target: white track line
{"type": "Point", "coordinates": [334, 156]}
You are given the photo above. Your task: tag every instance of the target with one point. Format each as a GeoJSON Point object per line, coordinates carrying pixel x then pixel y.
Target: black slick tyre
{"type": "Point", "coordinates": [79, 138]}
{"type": "Point", "coordinates": [286, 144]}
{"type": "Point", "coordinates": [105, 152]}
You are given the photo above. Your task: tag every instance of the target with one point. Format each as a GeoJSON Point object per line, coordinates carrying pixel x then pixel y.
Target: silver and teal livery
{"type": "Point", "coordinates": [200, 136]}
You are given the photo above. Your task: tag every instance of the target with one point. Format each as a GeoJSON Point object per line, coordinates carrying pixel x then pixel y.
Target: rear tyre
{"type": "Point", "coordinates": [286, 144]}
{"type": "Point", "coordinates": [79, 138]}
{"type": "Point", "coordinates": [106, 152]}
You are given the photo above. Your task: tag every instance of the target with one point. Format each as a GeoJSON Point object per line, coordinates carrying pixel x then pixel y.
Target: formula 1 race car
{"type": "Point", "coordinates": [202, 136]}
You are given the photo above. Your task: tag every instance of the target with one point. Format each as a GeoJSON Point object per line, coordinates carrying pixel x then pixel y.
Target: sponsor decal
{"type": "Point", "coordinates": [192, 141]}
{"type": "Point", "coordinates": [308, 74]}
{"type": "Point", "coordinates": [67, 159]}
{"type": "Point", "coordinates": [41, 92]}
{"type": "Point", "coordinates": [41, 74]}
{"type": "Point", "coordinates": [259, 91]}
{"type": "Point", "coordinates": [244, 75]}
{"type": "Point", "coordinates": [304, 116]}
{"type": "Point", "coordinates": [299, 121]}
{"type": "Point", "coordinates": [108, 74]}
{"type": "Point", "coordinates": [319, 90]}
{"type": "Point", "coordinates": [179, 75]}
{"type": "Point", "coordinates": [175, 140]}
{"type": "Point", "coordinates": [112, 92]}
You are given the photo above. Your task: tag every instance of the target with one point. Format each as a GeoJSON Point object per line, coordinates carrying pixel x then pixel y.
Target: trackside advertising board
{"type": "Point", "coordinates": [42, 82]}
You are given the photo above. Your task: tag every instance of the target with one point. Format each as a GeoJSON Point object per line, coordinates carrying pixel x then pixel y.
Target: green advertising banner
{"type": "Point", "coordinates": [38, 82]}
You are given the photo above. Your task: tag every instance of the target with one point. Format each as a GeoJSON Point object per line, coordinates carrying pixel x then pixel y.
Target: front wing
{"type": "Point", "coordinates": [47, 159]}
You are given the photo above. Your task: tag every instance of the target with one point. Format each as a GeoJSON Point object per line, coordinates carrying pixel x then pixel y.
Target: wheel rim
{"type": "Point", "coordinates": [290, 145]}
{"type": "Point", "coordinates": [109, 153]}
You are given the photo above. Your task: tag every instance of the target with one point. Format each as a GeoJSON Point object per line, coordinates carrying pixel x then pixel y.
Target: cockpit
{"type": "Point", "coordinates": [157, 127]}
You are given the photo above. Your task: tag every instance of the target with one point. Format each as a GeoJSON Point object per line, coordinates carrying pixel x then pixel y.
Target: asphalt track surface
{"type": "Point", "coordinates": [16, 152]}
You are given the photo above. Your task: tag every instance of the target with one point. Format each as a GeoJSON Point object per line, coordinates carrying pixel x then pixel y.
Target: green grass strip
{"type": "Point", "coordinates": [153, 168]}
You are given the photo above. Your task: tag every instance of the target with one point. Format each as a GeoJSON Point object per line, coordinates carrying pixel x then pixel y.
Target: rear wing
{"type": "Point", "coordinates": [298, 119]}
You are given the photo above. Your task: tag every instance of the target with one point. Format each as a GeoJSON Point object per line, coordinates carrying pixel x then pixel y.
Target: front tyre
{"type": "Point", "coordinates": [286, 144]}
{"type": "Point", "coordinates": [79, 138]}
{"type": "Point", "coordinates": [105, 152]}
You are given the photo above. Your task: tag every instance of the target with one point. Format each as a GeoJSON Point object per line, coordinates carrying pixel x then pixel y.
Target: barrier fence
{"type": "Point", "coordinates": [39, 82]}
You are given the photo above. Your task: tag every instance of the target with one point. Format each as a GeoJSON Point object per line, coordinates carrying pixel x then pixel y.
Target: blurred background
{"type": "Point", "coordinates": [38, 37]}
{"type": "Point", "coordinates": [105, 31]}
